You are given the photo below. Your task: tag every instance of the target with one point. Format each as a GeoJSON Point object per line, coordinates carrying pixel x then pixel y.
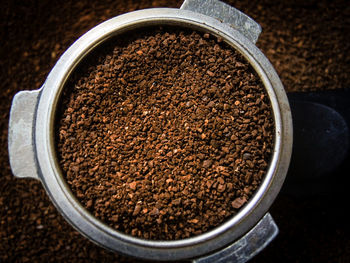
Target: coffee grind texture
{"type": "Point", "coordinates": [32, 230]}
{"type": "Point", "coordinates": [166, 135]}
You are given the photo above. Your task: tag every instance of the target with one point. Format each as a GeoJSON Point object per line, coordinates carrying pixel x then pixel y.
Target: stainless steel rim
{"type": "Point", "coordinates": [102, 234]}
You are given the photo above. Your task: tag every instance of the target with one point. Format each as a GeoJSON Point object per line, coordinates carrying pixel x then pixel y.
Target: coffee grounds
{"type": "Point", "coordinates": [166, 134]}
{"type": "Point", "coordinates": [32, 230]}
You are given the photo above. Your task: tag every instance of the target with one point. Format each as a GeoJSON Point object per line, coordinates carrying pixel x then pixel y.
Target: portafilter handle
{"type": "Point", "coordinates": [321, 144]}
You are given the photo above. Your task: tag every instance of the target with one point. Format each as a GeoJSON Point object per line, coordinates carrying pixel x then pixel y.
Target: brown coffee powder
{"type": "Point", "coordinates": [164, 134]}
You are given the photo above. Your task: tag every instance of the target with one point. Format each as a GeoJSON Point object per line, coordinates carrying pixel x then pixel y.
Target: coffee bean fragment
{"type": "Point", "coordinates": [193, 221]}
{"type": "Point", "coordinates": [221, 188]}
{"type": "Point", "coordinates": [238, 202]}
{"type": "Point", "coordinates": [136, 210]}
{"type": "Point", "coordinates": [246, 156]}
{"type": "Point", "coordinates": [133, 185]}
{"type": "Point", "coordinates": [207, 163]}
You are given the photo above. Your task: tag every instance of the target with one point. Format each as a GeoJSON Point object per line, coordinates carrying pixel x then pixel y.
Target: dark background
{"type": "Point", "coordinates": [306, 41]}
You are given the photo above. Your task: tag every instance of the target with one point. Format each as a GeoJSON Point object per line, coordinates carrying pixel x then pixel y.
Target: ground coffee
{"type": "Point", "coordinates": [32, 230]}
{"type": "Point", "coordinates": [166, 134]}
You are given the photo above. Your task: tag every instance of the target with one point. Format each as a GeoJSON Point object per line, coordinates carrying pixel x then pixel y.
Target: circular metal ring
{"type": "Point", "coordinates": [60, 193]}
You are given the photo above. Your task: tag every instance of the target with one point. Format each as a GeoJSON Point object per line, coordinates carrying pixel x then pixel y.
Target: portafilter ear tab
{"type": "Point", "coordinates": [226, 14]}
{"type": "Point", "coordinates": [33, 154]}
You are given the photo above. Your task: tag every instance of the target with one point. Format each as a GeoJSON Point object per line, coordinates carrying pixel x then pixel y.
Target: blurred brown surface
{"type": "Point", "coordinates": [306, 41]}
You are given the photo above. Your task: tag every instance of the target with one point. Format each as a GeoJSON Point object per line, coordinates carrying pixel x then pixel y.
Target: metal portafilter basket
{"type": "Point", "coordinates": [32, 136]}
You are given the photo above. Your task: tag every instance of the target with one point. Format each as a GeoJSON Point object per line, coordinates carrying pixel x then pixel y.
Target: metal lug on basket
{"type": "Point", "coordinates": [20, 137]}
{"type": "Point", "coordinates": [226, 14]}
{"type": "Point", "coordinates": [247, 246]}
